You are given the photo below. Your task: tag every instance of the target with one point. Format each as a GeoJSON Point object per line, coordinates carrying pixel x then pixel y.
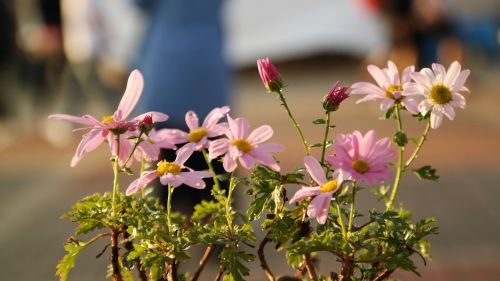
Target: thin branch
{"type": "Point", "coordinates": [263, 262]}
{"type": "Point", "coordinates": [383, 275]}
{"type": "Point", "coordinates": [310, 268]}
{"type": "Point", "coordinates": [172, 271]}
{"type": "Point", "coordinates": [219, 275]}
{"type": "Point", "coordinates": [115, 262]}
{"type": "Point", "coordinates": [129, 246]}
{"type": "Point", "coordinates": [208, 252]}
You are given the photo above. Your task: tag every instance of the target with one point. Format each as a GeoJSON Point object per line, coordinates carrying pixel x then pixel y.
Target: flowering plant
{"type": "Point", "coordinates": [321, 216]}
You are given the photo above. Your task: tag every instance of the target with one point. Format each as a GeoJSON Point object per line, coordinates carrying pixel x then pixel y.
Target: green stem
{"type": "Point", "coordinates": [399, 169]}
{"type": "Point", "coordinates": [228, 204]}
{"type": "Point", "coordinates": [169, 207]}
{"type": "Point", "coordinates": [352, 210]}
{"type": "Point", "coordinates": [327, 130]}
{"type": "Point", "coordinates": [136, 144]}
{"type": "Point", "coordinates": [211, 169]}
{"type": "Point", "coordinates": [297, 126]}
{"type": "Point", "coordinates": [116, 169]}
{"type": "Point", "coordinates": [340, 220]}
{"type": "Point", "coordinates": [143, 166]}
{"type": "Point", "coordinates": [419, 145]}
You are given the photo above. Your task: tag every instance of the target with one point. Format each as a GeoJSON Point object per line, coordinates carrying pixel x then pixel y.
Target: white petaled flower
{"type": "Point", "coordinates": [390, 87]}
{"type": "Point", "coordinates": [440, 89]}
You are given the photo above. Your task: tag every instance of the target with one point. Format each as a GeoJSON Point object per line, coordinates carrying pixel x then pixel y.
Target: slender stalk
{"type": "Point", "coordinates": [143, 166]}
{"type": "Point", "coordinates": [341, 221]}
{"type": "Point", "coordinates": [263, 262]}
{"type": "Point", "coordinates": [136, 144]}
{"type": "Point", "coordinates": [419, 145]}
{"type": "Point", "coordinates": [211, 169]}
{"type": "Point", "coordinates": [310, 268]}
{"type": "Point", "coordinates": [352, 211]}
{"type": "Point", "coordinates": [172, 271]}
{"type": "Point", "coordinates": [327, 130]}
{"type": "Point", "coordinates": [399, 169]}
{"type": "Point", "coordinates": [116, 183]}
{"type": "Point", "coordinates": [297, 126]}
{"type": "Point", "coordinates": [169, 207]}
{"type": "Point", "coordinates": [115, 262]}
{"type": "Point", "coordinates": [219, 275]}
{"type": "Point", "coordinates": [228, 204]}
{"type": "Point", "coordinates": [208, 252]}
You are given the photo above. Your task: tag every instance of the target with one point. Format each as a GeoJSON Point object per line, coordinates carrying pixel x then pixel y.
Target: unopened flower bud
{"type": "Point", "coordinates": [269, 75]}
{"type": "Point", "coordinates": [332, 100]}
{"type": "Point", "coordinates": [146, 124]}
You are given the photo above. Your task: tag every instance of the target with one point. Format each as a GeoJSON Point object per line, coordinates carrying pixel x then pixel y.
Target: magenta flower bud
{"type": "Point", "coordinates": [332, 100]}
{"type": "Point", "coordinates": [269, 75]}
{"type": "Point", "coordinates": [146, 124]}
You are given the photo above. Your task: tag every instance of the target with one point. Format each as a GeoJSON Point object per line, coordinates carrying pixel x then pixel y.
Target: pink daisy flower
{"type": "Point", "coordinates": [150, 147]}
{"type": "Point", "coordinates": [171, 173]}
{"type": "Point", "coordinates": [364, 158]}
{"type": "Point", "coordinates": [247, 148]}
{"type": "Point", "coordinates": [390, 87]}
{"type": "Point", "coordinates": [197, 138]}
{"type": "Point", "coordinates": [116, 123]}
{"type": "Point", "coordinates": [323, 192]}
{"type": "Point", "coordinates": [440, 89]}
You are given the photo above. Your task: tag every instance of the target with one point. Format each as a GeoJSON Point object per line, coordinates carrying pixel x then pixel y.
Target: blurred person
{"type": "Point", "coordinates": [184, 69]}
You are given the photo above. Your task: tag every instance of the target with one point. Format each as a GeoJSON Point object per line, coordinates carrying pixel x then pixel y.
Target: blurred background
{"type": "Point", "coordinates": [73, 56]}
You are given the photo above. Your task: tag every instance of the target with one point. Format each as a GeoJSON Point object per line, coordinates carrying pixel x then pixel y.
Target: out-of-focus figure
{"type": "Point", "coordinates": [184, 67]}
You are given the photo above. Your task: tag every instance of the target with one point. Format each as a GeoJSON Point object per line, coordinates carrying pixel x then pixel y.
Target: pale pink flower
{"type": "Point", "coordinates": [197, 138]}
{"type": "Point", "coordinates": [269, 75]}
{"type": "Point", "coordinates": [114, 124]}
{"type": "Point", "coordinates": [152, 143]}
{"type": "Point", "coordinates": [171, 173]}
{"type": "Point", "coordinates": [323, 192]}
{"type": "Point", "coordinates": [440, 89]}
{"type": "Point", "coordinates": [390, 87]}
{"type": "Point", "coordinates": [364, 158]}
{"type": "Point", "coordinates": [247, 148]}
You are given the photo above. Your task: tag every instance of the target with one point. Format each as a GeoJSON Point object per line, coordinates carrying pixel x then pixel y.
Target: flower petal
{"type": "Point", "coordinates": [318, 208]}
{"type": "Point", "coordinates": [141, 182]}
{"type": "Point", "coordinates": [436, 118]}
{"type": "Point", "coordinates": [314, 169]}
{"type": "Point", "coordinates": [239, 127]}
{"type": "Point", "coordinates": [157, 116]}
{"type": "Point", "coordinates": [71, 118]}
{"type": "Point", "coordinates": [89, 142]}
{"type": "Point", "coordinates": [133, 92]}
{"type": "Point", "coordinates": [305, 192]}
{"type": "Point", "coordinates": [214, 116]}
{"type": "Point", "coordinates": [229, 163]}
{"type": "Point", "coordinates": [378, 75]}
{"type": "Point", "coordinates": [217, 148]}
{"type": "Point", "coordinates": [261, 134]}
{"type": "Point", "coordinates": [192, 120]}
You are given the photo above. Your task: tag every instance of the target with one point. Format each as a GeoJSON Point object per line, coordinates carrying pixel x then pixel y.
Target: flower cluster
{"type": "Point", "coordinates": [435, 91]}
{"type": "Point", "coordinates": [313, 220]}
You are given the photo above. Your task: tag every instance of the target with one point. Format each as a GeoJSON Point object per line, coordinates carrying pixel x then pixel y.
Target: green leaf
{"type": "Point", "coordinates": [68, 261]}
{"type": "Point", "coordinates": [390, 112]}
{"type": "Point", "coordinates": [427, 173]}
{"type": "Point", "coordinates": [319, 121]}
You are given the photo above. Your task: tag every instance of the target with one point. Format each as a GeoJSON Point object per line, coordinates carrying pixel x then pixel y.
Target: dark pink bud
{"type": "Point", "coordinates": [146, 124]}
{"type": "Point", "coordinates": [269, 75]}
{"type": "Point", "coordinates": [332, 100]}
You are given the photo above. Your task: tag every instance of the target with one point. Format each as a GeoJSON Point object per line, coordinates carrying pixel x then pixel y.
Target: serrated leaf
{"type": "Point", "coordinates": [390, 112]}
{"type": "Point", "coordinates": [426, 173]}
{"type": "Point", "coordinates": [319, 121]}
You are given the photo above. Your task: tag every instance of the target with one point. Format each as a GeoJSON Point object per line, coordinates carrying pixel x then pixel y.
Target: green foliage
{"type": "Point", "coordinates": [232, 262]}
{"type": "Point", "coordinates": [426, 173]}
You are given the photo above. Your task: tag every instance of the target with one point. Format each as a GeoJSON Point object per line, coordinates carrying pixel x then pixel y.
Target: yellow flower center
{"type": "Point", "coordinates": [440, 94]}
{"type": "Point", "coordinates": [197, 135]}
{"type": "Point", "coordinates": [165, 167]}
{"type": "Point", "coordinates": [329, 186]}
{"type": "Point", "coordinates": [360, 166]}
{"type": "Point", "coordinates": [151, 141]}
{"type": "Point", "coordinates": [389, 92]}
{"type": "Point", "coordinates": [107, 119]}
{"type": "Point", "coordinates": [242, 145]}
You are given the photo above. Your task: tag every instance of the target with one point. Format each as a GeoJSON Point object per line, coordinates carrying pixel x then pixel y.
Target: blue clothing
{"type": "Point", "coordinates": [183, 61]}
